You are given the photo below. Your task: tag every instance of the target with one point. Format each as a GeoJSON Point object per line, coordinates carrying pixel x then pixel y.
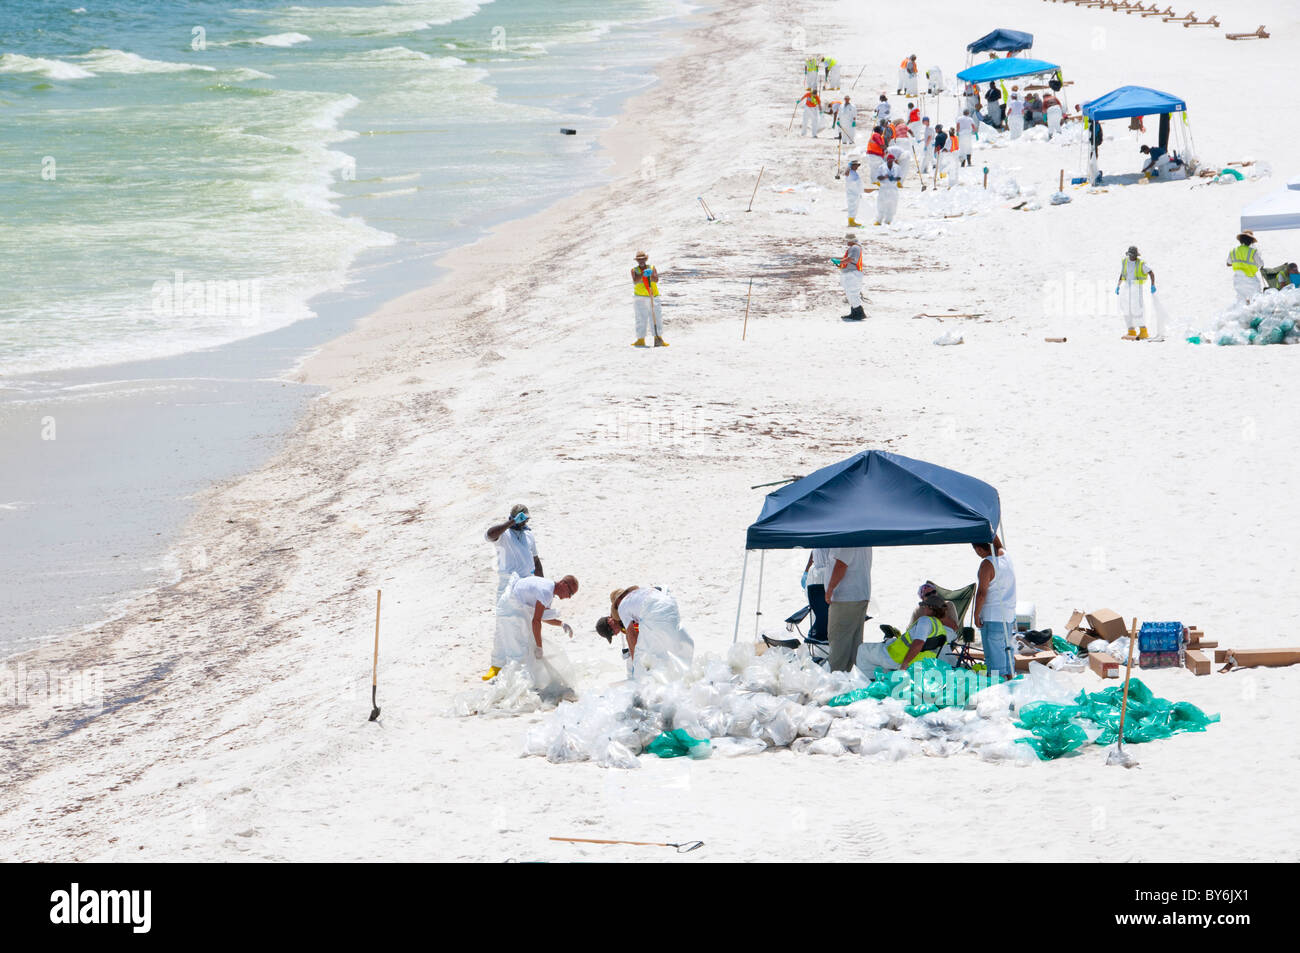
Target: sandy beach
{"type": "Point", "coordinates": [1153, 479]}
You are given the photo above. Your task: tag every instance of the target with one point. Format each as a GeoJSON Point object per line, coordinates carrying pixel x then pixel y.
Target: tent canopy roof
{"type": "Point", "coordinates": [1008, 68]}
{"type": "Point", "coordinates": [1132, 101]}
{"type": "Point", "coordinates": [1010, 41]}
{"type": "Point", "coordinates": [1277, 210]}
{"type": "Point", "coordinates": [877, 499]}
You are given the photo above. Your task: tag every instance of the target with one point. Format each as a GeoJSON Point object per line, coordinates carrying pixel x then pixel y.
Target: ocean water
{"type": "Point", "coordinates": [175, 176]}
{"type": "Point", "coordinates": [193, 194]}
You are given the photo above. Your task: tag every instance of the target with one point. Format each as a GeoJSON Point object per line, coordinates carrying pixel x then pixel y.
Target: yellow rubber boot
{"type": "Point", "coordinates": [1142, 334]}
{"type": "Point", "coordinates": [1131, 334]}
{"type": "Point", "coordinates": [660, 342]}
{"type": "Point", "coordinates": [854, 223]}
{"type": "Point", "coordinates": [492, 673]}
{"type": "Point", "coordinates": [639, 342]}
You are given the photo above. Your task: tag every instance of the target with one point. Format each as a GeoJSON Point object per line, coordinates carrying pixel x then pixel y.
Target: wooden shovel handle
{"type": "Point", "coordinates": [374, 675]}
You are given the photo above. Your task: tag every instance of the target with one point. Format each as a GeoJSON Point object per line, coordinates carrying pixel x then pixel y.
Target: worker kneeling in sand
{"type": "Point", "coordinates": [934, 626]}
{"type": "Point", "coordinates": [1133, 274]}
{"type": "Point", "coordinates": [645, 301]}
{"type": "Point", "coordinates": [521, 610]}
{"type": "Point", "coordinates": [888, 180]}
{"type": "Point", "coordinates": [850, 266]}
{"type": "Point", "coordinates": [649, 620]}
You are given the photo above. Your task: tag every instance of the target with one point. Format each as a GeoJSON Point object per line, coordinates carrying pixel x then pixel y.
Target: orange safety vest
{"type": "Point", "coordinates": [914, 116]}
{"type": "Point", "coordinates": [844, 262]}
{"type": "Point", "coordinates": [876, 145]}
{"type": "Point", "coordinates": [811, 99]}
{"type": "Point", "coordinates": [952, 142]}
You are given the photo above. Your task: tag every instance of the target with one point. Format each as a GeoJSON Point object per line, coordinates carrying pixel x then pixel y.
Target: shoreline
{"type": "Point", "coordinates": [235, 727]}
{"type": "Point", "coordinates": [261, 374]}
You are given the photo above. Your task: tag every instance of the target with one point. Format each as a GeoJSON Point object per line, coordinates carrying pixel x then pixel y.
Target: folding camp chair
{"type": "Point", "coordinates": [818, 650]}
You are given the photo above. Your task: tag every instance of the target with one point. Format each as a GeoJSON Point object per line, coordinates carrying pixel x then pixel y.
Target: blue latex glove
{"type": "Point", "coordinates": [803, 580]}
{"type": "Point", "coordinates": [1153, 287]}
{"type": "Point", "coordinates": [520, 519]}
{"type": "Point", "coordinates": [1117, 289]}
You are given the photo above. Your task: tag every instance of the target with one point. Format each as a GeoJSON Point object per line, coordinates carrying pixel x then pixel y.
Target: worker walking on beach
{"type": "Point", "coordinates": [888, 180]}
{"type": "Point", "coordinates": [882, 110]}
{"type": "Point", "coordinates": [1133, 275]}
{"type": "Point", "coordinates": [848, 592]}
{"type": "Point", "coordinates": [1245, 263]}
{"type": "Point", "coordinates": [1016, 116]}
{"type": "Point", "coordinates": [650, 622]}
{"type": "Point", "coordinates": [995, 607]}
{"type": "Point", "coordinates": [516, 548]}
{"type": "Point", "coordinates": [846, 119]}
{"type": "Point", "coordinates": [521, 610]}
{"type": "Point", "coordinates": [811, 72]}
{"type": "Point", "coordinates": [907, 71]}
{"type": "Point", "coordinates": [833, 74]}
{"type": "Point", "coordinates": [853, 191]}
{"type": "Point", "coordinates": [645, 301]}
{"type": "Point", "coordinates": [965, 137]}
{"type": "Point", "coordinates": [926, 145]}
{"type": "Point", "coordinates": [812, 113]}
{"type": "Point", "coordinates": [850, 267]}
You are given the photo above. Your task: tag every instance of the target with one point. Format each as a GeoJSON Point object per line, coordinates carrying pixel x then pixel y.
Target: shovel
{"type": "Point", "coordinates": [685, 848]}
{"type": "Point", "coordinates": [1117, 754]}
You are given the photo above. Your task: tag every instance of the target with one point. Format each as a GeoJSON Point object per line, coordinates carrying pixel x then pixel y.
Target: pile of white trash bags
{"type": "Point", "coordinates": [1272, 317]}
{"type": "Point", "coordinates": [748, 703]}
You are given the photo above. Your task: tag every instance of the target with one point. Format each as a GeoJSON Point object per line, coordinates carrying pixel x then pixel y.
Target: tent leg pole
{"type": "Point", "coordinates": [758, 605]}
{"type": "Point", "coordinates": [741, 600]}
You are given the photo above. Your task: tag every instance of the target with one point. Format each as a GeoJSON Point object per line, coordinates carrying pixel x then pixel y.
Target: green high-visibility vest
{"type": "Point", "coordinates": [1141, 269]}
{"type": "Point", "coordinates": [897, 650]}
{"type": "Point", "coordinates": [1245, 259]}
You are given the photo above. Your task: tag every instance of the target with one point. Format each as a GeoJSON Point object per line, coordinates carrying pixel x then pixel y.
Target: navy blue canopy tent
{"type": "Point", "coordinates": [874, 499]}
{"type": "Point", "coordinates": [1008, 41]}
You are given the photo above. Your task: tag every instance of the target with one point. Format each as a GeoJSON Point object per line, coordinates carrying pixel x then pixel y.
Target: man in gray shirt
{"type": "Point", "coordinates": [848, 590]}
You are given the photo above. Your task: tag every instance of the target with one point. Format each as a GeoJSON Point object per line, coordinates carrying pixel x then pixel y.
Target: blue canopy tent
{"type": "Point", "coordinates": [873, 499]}
{"type": "Point", "coordinates": [1002, 41]}
{"type": "Point", "coordinates": [1009, 68]}
{"type": "Point", "coordinates": [1129, 101]}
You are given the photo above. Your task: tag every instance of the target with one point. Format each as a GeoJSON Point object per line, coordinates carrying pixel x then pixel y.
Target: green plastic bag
{"type": "Point", "coordinates": [674, 744]}
{"type": "Point", "coordinates": [1052, 741]}
{"type": "Point", "coordinates": [1062, 647]}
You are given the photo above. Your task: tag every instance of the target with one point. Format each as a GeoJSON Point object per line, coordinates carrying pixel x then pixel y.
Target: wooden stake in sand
{"type": "Point", "coordinates": [796, 113]}
{"type": "Point", "coordinates": [374, 673]}
{"type": "Point", "coordinates": [755, 192]}
{"type": "Point", "coordinates": [1061, 187]}
{"type": "Point", "coordinates": [745, 329]}
{"type": "Point", "coordinates": [1119, 755]}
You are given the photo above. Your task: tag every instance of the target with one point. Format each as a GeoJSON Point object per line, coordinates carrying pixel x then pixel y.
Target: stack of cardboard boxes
{"type": "Point", "coordinates": [1086, 628]}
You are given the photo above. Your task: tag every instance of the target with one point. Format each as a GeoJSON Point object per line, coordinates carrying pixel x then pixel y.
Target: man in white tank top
{"type": "Point", "coordinates": [995, 607]}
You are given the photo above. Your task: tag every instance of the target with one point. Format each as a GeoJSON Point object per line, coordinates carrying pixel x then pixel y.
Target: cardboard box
{"type": "Point", "coordinates": [1076, 621]}
{"type": "Point", "coordinates": [1197, 662]}
{"type": "Point", "coordinates": [1107, 624]}
{"type": "Point", "coordinates": [1042, 658]}
{"type": "Point", "coordinates": [1081, 637]}
{"type": "Point", "coordinates": [1104, 665]}
{"type": "Point", "coordinates": [1262, 658]}
{"type": "Point", "coordinates": [1220, 655]}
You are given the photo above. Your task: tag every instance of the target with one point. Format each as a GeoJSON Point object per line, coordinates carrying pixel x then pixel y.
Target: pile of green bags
{"type": "Point", "coordinates": [1060, 729]}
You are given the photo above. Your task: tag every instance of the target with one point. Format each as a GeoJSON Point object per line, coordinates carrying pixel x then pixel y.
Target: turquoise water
{"type": "Point", "coordinates": [176, 176]}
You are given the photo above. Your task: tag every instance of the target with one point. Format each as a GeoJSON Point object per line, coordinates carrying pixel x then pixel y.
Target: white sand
{"type": "Point", "coordinates": [1155, 479]}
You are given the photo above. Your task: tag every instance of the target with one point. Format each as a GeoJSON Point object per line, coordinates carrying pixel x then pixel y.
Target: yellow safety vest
{"type": "Point", "coordinates": [1244, 259]}
{"type": "Point", "coordinates": [810, 66]}
{"type": "Point", "coordinates": [1141, 269]}
{"type": "Point", "coordinates": [897, 650]}
{"type": "Point", "coordinates": [639, 283]}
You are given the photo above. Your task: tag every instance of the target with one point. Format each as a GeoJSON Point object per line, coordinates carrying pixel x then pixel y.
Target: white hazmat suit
{"type": "Point", "coordinates": [887, 194]}
{"type": "Point", "coordinates": [662, 644]}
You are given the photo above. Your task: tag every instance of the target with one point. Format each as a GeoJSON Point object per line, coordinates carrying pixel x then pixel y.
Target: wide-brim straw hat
{"type": "Point", "coordinates": [1246, 238]}
{"type": "Point", "coordinates": [641, 256]}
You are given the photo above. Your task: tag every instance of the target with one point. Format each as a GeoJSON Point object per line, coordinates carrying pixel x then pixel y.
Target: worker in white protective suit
{"type": "Point", "coordinates": [1054, 112]}
{"type": "Point", "coordinates": [901, 149]}
{"type": "Point", "coordinates": [882, 109]}
{"type": "Point", "coordinates": [516, 548]}
{"type": "Point", "coordinates": [853, 191]}
{"type": "Point", "coordinates": [926, 145]}
{"type": "Point", "coordinates": [1133, 275]}
{"type": "Point", "coordinates": [1016, 116]}
{"type": "Point", "coordinates": [651, 625]}
{"type": "Point", "coordinates": [888, 180]}
{"type": "Point", "coordinates": [832, 73]}
{"type": "Point", "coordinates": [907, 73]}
{"type": "Point", "coordinates": [1245, 263]}
{"type": "Point", "coordinates": [645, 302]}
{"type": "Point", "coordinates": [522, 609]}
{"type": "Point", "coordinates": [850, 268]}
{"type": "Point", "coordinates": [965, 137]}
{"type": "Point", "coordinates": [812, 114]}
{"type": "Point", "coordinates": [846, 119]}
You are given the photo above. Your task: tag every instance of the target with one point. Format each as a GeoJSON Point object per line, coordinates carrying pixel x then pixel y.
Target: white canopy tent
{"type": "Point", "coordinates": [1277, 210]}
